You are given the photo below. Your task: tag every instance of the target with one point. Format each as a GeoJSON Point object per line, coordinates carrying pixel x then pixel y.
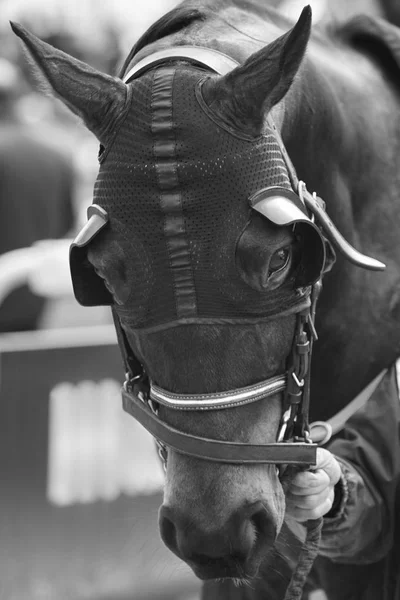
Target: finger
{"type": "Point", "coordinates": [309, 502]}
{"type": "Point", "coordinates": [301, 515]}
{"type": "Point", "coordinates": [310, 481]}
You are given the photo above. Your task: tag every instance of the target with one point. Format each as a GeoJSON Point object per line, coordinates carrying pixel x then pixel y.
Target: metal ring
{"type": "Point", "coordinates": [321, 441]}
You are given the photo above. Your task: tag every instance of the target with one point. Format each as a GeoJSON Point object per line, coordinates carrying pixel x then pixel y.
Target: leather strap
{"type": "Point", "coordinates": [215, 450]}
{"type": "Point", "coordinates": [198, 55]}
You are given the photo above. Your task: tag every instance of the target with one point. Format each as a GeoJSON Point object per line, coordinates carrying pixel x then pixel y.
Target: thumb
{"type": "Point", "coordinates": [328, 463]}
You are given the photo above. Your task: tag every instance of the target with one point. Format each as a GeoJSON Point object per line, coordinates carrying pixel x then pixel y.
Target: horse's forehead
{"type": "Point", "coordinates": [170, 139]}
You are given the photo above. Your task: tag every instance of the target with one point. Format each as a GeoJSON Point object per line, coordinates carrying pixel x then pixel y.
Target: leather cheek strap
{"type": "Point", "coordinates": [215, 450]}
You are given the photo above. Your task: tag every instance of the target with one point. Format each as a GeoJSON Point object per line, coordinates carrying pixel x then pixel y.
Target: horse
{"type": "Point", "coordinates": [205, 279]}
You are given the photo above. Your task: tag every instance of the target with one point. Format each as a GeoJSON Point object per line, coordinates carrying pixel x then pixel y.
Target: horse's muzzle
{"type": "Point", "coordinates": [235, 550]}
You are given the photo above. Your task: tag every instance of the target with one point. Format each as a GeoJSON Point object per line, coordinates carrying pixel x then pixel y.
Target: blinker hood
{"type": "Point", "coordinates": [283, 207]}
{"type": "Point", "coordinates": [171, 178]}
{"type": "Point", "coordinates": [279, 205]}
{"type": "Point", "coordinates": [89, 288]}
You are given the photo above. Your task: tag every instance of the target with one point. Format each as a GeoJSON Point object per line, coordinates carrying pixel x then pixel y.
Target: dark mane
{"type": "Point", "coordinates": [175, 20]}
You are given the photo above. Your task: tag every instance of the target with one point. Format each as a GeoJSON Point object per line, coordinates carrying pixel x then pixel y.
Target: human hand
{"type": "Point", "coordinates": [310, 494]}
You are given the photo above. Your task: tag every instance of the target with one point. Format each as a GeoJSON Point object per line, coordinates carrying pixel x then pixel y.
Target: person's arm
{"type": "Point", "coordinates": [357, 500]}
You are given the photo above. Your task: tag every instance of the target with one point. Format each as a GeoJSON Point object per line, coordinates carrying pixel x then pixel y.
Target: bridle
{"type": "Point", "coordinates": [142, 398]}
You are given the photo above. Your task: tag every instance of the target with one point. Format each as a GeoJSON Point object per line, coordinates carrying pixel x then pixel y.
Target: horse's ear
{"type": "Point", "coordinates": [244, 96]}
{"type": "Point", "coordinates": [94, 96]}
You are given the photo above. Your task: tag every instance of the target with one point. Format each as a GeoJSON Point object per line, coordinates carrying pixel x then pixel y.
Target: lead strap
{"type": "Point", "coordinates": [308, 554]}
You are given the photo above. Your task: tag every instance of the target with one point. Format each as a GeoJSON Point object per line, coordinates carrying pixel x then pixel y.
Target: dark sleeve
{"type": "Point", "coordinates": [369, 452]}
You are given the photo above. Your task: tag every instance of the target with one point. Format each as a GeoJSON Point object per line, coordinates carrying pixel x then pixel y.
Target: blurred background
{"type": "Point", "coordinates": [80, 481]}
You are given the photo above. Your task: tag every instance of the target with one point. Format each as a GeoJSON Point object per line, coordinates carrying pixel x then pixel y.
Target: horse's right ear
{"type": "Point", "coordinates": [94, 96]}
{"type": "Point", "coordinates": [244, 96]}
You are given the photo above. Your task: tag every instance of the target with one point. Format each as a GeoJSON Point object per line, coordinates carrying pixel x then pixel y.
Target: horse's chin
{"type": "Point", "coordinates": [239, 575]}
{"type": "Point", "coordinates": [245, 580]}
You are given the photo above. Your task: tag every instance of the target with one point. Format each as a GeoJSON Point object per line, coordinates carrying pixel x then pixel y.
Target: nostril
{"type": "Point", "coordinates": [263, 525]}
{"type": "Point", "coordinates": [168, 533]}
{"type": "Point", "coordinates": [243, 543]}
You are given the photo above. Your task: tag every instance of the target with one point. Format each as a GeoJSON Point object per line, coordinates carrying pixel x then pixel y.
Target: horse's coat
{"type": "Point", "coordinates": [338, 115]}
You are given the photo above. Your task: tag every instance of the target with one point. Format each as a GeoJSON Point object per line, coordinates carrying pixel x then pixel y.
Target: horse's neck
{"type": "Point", "coordinates": [343, 144]}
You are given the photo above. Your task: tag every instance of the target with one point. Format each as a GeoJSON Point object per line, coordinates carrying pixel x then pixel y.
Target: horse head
{"type": "Point", "coordinates": [206, 288]}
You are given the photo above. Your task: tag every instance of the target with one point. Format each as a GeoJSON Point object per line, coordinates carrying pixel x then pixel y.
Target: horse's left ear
{"type": "Point", "coordinates": [244, 96]}
{"type": "Point", "coordinates": [96, 97]}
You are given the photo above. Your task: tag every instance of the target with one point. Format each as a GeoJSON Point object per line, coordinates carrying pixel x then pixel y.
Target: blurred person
{"type": "Point", "coordinates": [36, 189]}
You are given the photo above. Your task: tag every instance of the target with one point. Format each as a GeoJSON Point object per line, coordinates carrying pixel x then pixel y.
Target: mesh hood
{"type": "Point", "coordinates": [176, 185]}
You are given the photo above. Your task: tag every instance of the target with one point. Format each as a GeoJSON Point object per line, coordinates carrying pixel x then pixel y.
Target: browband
{"type": "Point", "coordinates": [219, 400]}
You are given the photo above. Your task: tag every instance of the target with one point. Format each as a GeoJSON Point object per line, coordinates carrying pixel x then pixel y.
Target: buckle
{"type": "Point", "coordinates": [300, 383]}
{"type": "Point", "coordinates": [138, 386]}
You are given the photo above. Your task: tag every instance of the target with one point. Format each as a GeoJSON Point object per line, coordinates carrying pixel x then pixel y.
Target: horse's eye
{"type": "Point", "coordinates": [279, 260]}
